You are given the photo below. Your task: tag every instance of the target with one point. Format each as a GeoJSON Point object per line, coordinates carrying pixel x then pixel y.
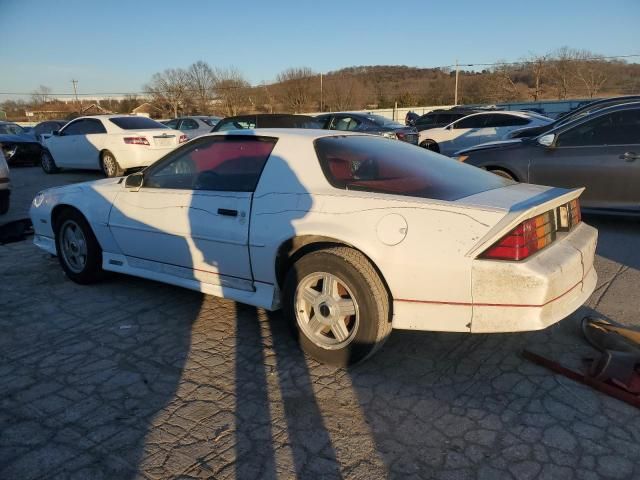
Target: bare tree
{"type": "Point", "coordinates": [168, 89]}
{"type": "Point", "coordinates": [590, 70]}
{"type": "Point", "coordinates": [41, 95]}
{"type": "Point", "coordinates": [342, 92]}
{"type": "Point", "coordinates": [538, 65]}
{"type": "Point", "coordinates": [562, 71]}
{"type": "Point", "coordinates": [297, 87]}
{"type": "Point", "coordinates": [202, 82]}
{"type": "Point", "coordinates": [505, 88]}
{"type": "Point", "coordinates": [232, 90]}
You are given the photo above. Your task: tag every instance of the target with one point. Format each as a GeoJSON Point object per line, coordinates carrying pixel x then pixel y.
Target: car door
{"type": "Point", "coordinates": [190, 218]}
{"type": "Point", "coordinates": [601, 154]}
{"type": "Point", "coordinates": [460, 134]}
{"type": "Point", "coordinates": [70, 147]}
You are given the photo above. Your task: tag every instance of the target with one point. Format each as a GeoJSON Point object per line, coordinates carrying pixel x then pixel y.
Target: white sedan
{"type": "Point", "coordinates": [351, 234]}
{"type": "Point", "coordinates": [111, 143]}
{"type": "Point", "coordinates": [478, 128]}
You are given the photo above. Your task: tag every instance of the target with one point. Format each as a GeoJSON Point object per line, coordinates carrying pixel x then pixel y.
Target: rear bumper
{"type": "Point", "coordinates": [536, 293]}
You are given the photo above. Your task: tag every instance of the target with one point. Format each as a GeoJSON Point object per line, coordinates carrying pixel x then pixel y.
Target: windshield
{"type": "Point", "coordinates": [11, 129]}
{"type": "Point", "coordinates": [136, 123]}
{"type": "Point", "coordinates": [377, 164]}
{"type": "Point", "coordinates": [384, 121]}
{"type": "Point", "coordinates": [211, 121]}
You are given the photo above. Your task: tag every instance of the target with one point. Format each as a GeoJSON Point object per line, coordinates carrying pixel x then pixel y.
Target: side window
{"type": "Point", "coordinates": [345, 123]}
{"type": "Point", "coordinates": [323, 120]}
{"type": "Point", "coordinates": [472, 121]}
{"type": "Point", "coordinates": [504, 120]}
{"type": "Point", "coordinates": [616, 128]}
{"type": "Point", "coordinates": [235, 125]}
{"type": "Point", "coordinates": [231, 163]}
{"type": "Point", "coordinates": [94, 126]}
{"type": "Point", "coordinates": [172, 123]}
{"type": "Point", "coordinates": [427, 119]}
{"type": "Point", "coordinates": [79, 127]}
{"type": "Point", "coordinates": [188, 124]}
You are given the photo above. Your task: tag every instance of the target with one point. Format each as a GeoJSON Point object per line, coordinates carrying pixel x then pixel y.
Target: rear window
{"type": "Point", "coordinates": [376, 164]}
{"type": "Point", "coordinates": [136, 123]}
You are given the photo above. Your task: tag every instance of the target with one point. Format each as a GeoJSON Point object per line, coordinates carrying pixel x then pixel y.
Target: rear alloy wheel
{"type": "Point", "coordinates": [430, 145]}
{"type": "Point", "coordinates": [110, 166]}
{"type": "Point", "coordinates": [502, 173]}
{"type": "Point", "coordinates": [338, 305]}
{"type": "Point", "coordinates": [78, 250]}
{"type": "Point", "coordinates": [47, 162]}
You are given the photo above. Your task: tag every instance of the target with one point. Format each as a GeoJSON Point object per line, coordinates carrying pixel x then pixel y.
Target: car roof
{"type": "Point", "coordinates": [598, 113]}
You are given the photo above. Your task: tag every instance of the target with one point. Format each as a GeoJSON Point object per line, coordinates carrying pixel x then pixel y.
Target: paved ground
{"type": "Point", "coordinates": [134, 379]}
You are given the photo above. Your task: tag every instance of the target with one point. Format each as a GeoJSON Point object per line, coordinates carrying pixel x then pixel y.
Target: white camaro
{"type": "Point", "coordinates": [478, 128]}
{"type": "Point", "coordinates": [351, 234]}
{"type": "Point", "coordinates": [111, 143]}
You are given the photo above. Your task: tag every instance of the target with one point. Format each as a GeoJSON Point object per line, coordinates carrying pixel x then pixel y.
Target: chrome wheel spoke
{"type": "Point", "coordinates": [329, 285]}
{"type": "Point", "coordinates": [345, 307]}
{"type": "Point", "coordinates": [310, 295]}
{"type": "Point", "coordinates": [340, 330]}
{"type": "Point", "coordinates": [315, 325]}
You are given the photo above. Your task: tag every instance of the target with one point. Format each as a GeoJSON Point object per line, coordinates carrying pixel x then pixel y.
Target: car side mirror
{"type": "Point", "coordinates": [547, 140]}
{"type": "Point", "coordinates": [134, 181]}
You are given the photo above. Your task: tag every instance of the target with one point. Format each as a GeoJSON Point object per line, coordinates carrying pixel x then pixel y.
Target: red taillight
{"type": "Point", "coordinates": [523, 241]}
{"type": "Point", "coordinates": [569, 215]}
{"type": "Point", "coordinates": [576, 214]}
{"type": "Point", "coordinates": [183, 138]}
{"type": "Point", "coordinates": [136, 141]}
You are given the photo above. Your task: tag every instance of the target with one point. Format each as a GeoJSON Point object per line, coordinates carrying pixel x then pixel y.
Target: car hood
{"type": "Point", "coordinates": [8, 137]}
{"type": "Point", "coordinates": [491, 145]}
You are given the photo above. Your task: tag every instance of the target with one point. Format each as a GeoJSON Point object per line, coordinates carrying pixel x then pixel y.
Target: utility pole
{"type": "Point", "coordinates": [321, 93]}
{"type": "Point", "coordinates": [455, 97]}
{"type": "Point", "coordinates": [75, 92]}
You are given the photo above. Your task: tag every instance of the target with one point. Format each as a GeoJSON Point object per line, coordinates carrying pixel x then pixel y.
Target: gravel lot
{"type": "Point", "coordinates": [135, 379]}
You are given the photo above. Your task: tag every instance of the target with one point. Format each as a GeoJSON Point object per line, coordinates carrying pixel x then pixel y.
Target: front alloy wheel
{"type": "Point", "coordinates": [78, 250]}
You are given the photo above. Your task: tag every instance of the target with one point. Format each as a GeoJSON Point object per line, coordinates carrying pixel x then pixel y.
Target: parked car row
{"type": "Point", "coordinates": [599, 150]}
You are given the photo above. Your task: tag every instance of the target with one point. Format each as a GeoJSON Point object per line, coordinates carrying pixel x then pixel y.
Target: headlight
{"type": "Point", "coordinates": [9, 151]}
{"type": "Point", "coordinates": [38, 199]}
{"type": "Point", "coordinates": [390, 135]}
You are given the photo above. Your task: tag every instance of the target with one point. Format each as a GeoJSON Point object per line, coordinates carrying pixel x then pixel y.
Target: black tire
{"type": "Point", "coordinates": [369, 293]}
{"type": "Point", "coordinates": [47, 162]}
{"type": "Point", "coordinates": [5, 203]}
{"type": "Point", "coordinates": [431, 145]}
{"type": "Point", "coordinates": [110, 166]}
{"type": "Point", "coordinates": [502, 173]}
{"type": "Point", "coordinates": [91, 269]}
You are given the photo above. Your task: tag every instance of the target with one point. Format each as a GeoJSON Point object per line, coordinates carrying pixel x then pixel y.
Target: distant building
{"type": "Point", "coordinates": [146, 110]}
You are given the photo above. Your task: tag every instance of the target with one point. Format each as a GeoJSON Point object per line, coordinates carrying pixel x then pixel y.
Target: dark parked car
{"type": "Point", "coordinates": [266, 120]}
{"type": "Point", "coordinates": [368, 123]}
{"type": "Point", "coordinates": [410, 118]}
{"type": "Point", "coordinates": [573, 115]}
{"type": "Point", "coordinates": [442, 117]}
{"type": "Point", "coordinates": [18, 145]}
{"type": "Point", "coordinates": [47, 128]}
{"type": "Point", "coordinates": [600, 152]}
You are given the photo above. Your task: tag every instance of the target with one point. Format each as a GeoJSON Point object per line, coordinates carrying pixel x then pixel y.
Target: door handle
{"type": "Point", "coordinates": [629, 156]}
{"type": "Point", "coordinates": [227, 212]}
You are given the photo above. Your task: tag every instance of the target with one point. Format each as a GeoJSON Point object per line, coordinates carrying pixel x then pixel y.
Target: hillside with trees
{"type": "Point", "coordinates": [204, 89]}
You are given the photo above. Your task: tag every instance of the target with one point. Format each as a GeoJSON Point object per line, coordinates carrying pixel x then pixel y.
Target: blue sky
{"type": "Point", "coordinates": [115, 46]}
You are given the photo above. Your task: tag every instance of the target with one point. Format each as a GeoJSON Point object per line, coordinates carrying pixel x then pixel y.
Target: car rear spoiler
{"type": "Point", "coordinates": [523, 210]}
